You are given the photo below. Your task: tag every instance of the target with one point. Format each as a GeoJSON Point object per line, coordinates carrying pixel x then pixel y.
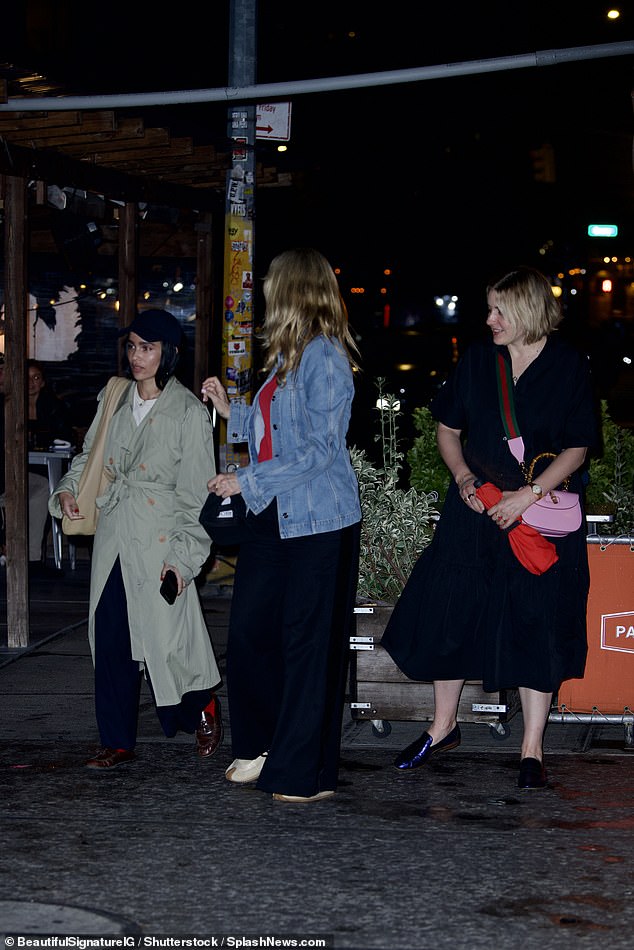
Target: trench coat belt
{"type": "Point", "coordinates": [122, 486]}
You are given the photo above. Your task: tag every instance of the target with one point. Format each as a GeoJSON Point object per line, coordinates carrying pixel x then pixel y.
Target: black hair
{"type": "Point", "coordinates": [166, 367]}
{"type": "Point", "coordinates": [35, 364]}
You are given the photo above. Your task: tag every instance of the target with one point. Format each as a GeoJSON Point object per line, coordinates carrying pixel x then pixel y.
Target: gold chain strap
{"type": "Point", "coordinates": [528, 472]}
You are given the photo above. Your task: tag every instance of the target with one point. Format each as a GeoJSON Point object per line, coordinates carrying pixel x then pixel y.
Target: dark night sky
{"type": "Point", "coordinates": [433, 178]}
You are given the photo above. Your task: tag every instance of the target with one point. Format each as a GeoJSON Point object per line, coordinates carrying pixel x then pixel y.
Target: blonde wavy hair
{"type": "Point", "coordinates": [303, 301]}
{"type": "Point", "coordinates": [526, 299]}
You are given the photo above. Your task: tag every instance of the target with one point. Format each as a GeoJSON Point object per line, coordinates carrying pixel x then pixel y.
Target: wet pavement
{"type": "Point", "coordinates": [453, 855]}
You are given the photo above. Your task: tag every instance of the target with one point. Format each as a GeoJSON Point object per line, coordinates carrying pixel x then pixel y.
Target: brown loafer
{"type": "Point", "coordinates": [210, 731]}
{"type": "Point", "coordinates": [110, 758]}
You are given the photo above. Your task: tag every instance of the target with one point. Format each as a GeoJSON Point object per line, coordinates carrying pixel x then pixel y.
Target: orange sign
{"type": "Point", "coordinates": [608, 684]}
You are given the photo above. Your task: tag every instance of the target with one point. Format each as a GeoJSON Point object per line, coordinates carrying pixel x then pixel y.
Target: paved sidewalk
{"type": "Point", "coordinates": [453, 856]}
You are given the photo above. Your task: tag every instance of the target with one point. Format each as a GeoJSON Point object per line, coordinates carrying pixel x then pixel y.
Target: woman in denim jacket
{"type": "Point", "coordinates": [296, 575]}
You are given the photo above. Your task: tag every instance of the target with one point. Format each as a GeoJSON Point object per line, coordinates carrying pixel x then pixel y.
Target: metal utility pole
{"type": "Point", "coordinates": [237, 355]}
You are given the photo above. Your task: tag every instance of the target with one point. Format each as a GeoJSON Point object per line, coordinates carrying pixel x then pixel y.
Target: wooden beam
{"type": "Point", "coordinates": [97, 150]}
{"type": "Point", "coordinates": [76, 141]}
{"type": "Point", "coordinates": [128, 253]}
{"type": "Point", "coordinates": [204, 299]}
{"type": "Point", "coordinates": [201, 156]}
{"type": "Point", "coordinates": [47, 133]}
{"type": "Point", "coordinates": [15, 409]}
{"type": "Point", "coordinates": [196, 178]}
{"type": "Point", "coordinates": [40, 120]}
{"type": "Point", "coordinates": [53, 167]}
{"type": "Point", "coordinates": [119, 153]}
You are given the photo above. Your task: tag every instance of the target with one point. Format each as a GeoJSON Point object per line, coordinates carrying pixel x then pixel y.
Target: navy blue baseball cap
{"type": "Point", "coordinates": [153, 325]}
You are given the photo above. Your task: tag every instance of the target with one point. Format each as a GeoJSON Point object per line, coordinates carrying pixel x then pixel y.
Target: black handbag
{"type": "Point", "coordinates": [225, 519]}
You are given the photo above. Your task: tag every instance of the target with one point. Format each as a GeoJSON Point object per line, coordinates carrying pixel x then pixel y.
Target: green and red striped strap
{"type": "Point", "coordinates": [505, 396]}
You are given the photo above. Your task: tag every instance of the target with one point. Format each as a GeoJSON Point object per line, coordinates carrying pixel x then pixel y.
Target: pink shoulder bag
{"type": "Point", "coordinates": [558, 512]}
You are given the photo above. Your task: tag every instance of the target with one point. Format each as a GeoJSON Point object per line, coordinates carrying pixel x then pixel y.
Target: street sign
{"type": "Point", "coordinates": [603, 230]}
{"type": "Point", "coordinates": [273, 121]}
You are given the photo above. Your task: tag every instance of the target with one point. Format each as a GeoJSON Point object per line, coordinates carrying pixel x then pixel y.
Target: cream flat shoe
{"type": "Point", "coordinates": [242, 771]}
{"type": "Point", "coordinates": [278, 797]}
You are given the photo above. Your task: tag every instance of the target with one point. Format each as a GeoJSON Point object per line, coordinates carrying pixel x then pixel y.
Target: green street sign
{"type": "Point", "coordinates": [603, 230]}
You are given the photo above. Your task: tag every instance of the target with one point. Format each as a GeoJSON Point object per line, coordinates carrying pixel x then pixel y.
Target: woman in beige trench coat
{"type": "Point", "coordinates": [159, 453]}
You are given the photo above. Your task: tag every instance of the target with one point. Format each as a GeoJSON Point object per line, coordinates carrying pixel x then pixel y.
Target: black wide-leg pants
{"type": "Point", "coordinates": [287, 655]}
{"type": "Point", "coordinates": [118, 677]}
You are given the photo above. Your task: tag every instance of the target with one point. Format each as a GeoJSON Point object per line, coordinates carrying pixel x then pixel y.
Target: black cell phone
{"type": "Point", "coordinates": [169, 587]}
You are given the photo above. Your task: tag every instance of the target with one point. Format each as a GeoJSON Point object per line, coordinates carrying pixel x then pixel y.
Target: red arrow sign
{"type": "Point", "coordinates": [273, 121]}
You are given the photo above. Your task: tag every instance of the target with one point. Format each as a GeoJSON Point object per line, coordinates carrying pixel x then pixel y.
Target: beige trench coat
{"type": "Point", "coordinates": [149, 515]}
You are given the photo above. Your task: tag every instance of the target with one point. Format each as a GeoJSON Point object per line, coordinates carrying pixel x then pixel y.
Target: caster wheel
{"type": "Point", "coordinates": [381, 728]}
{"type": "Point", "coordinates": [500, 731]}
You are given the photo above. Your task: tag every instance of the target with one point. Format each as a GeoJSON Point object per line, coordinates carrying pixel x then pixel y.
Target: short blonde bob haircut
{"type": "Point", "coordinates": [303, 301]}
{"type": "Point", "coordinates": [526, 300]}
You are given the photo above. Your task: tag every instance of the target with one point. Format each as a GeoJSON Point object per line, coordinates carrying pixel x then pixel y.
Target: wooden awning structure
{"type": "Point", "coordinates": [121, 158]}
{"type": "Point", "coordinates": [119, 152]}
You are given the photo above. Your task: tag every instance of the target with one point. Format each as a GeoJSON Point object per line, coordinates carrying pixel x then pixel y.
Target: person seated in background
{"type": "Point", "coordinates": [38, 498]}
{"type": "Point", "coordinates": [48, 419]}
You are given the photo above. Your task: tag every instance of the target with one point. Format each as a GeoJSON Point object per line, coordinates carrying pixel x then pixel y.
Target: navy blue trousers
{"type": "Point", "coordinates": [118, 677]}
{"type": "Point", "coordinates": [288, 651]}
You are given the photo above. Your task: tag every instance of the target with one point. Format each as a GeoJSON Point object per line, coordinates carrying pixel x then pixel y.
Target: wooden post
{"type": "Point", "coordinates": [16, 241]}
{"type": "Point", "coordinates": [204, 302]}
{"type": "Point", "coordinates": [128, 247]}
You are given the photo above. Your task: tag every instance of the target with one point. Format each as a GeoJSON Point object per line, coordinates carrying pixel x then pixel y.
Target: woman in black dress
{"type": "Point", "coordinates": [470, 609]}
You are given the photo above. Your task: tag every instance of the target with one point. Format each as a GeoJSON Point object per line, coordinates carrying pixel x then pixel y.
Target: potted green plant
{"type": "Point", "coordinates": [610, 486]}
{"type": "Point", "coordinates": [397, 522]}
{"type": "Point", "coordinates": [428, 472]}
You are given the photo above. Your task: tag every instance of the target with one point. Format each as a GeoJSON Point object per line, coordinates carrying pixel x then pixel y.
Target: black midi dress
{"type": "Point", "coordinates": [470, 610]}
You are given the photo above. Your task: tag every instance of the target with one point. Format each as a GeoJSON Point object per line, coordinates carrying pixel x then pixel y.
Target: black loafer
{"type": "Point", "coordinates": [532, 774]}
{"type": "Point", "coordinates": [417, 753]}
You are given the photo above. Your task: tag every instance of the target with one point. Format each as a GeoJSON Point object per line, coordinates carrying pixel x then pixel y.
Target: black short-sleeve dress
{"type": "Point", "coordinates": [470, 610]}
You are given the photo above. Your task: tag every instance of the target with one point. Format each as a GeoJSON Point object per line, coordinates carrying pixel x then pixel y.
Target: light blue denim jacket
{"type": "Point", "coordinates": [310, 473]}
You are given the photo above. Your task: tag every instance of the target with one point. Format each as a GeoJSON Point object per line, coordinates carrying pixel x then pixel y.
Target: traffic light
{"type": "Point", "coordinates": [543, 159]}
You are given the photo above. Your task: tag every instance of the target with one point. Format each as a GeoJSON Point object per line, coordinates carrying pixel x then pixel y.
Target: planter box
{"type": "Point", "coordinates": [379, 690]}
